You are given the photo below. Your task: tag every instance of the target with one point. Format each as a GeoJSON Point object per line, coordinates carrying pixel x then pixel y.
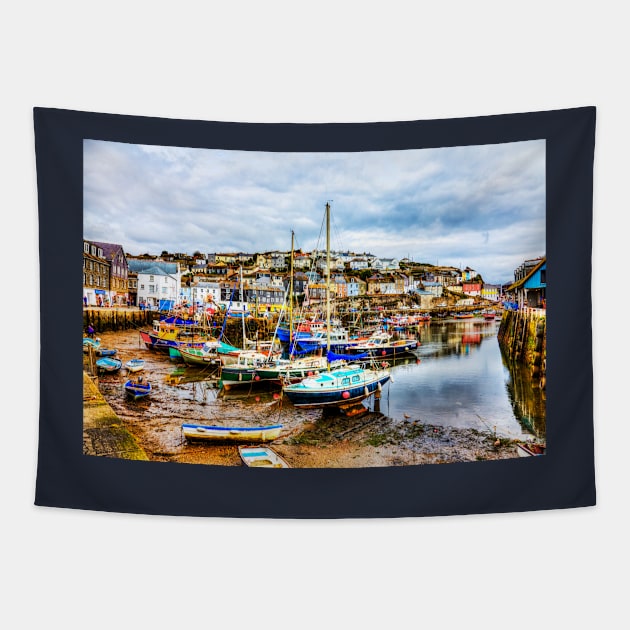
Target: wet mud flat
{"type": "Point", "coordinates": [309, 439]}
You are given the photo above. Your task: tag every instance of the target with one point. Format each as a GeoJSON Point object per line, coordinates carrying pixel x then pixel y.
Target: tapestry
{"type": "Point", "coordinates": [362, 306]}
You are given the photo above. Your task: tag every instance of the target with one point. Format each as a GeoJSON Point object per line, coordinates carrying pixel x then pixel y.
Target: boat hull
{"type": "Point", "coordinates": [134, 365]}
{"type": "Point", "coordinates": [334, 397]}
{"type": "Point", "coordinates": [383, 352]}
{"type": "Point", "coordinates": [261, 457]}
{"type": "Point", "coordinates": [109, 365]}
{"type": "Point", "coordinates": [231, 434]}
{"type": "Point", "coordinates": [137, 390]}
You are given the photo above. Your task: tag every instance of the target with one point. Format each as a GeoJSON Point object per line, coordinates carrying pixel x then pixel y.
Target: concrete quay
{"type": "Point", "coordinates": [103, 432]}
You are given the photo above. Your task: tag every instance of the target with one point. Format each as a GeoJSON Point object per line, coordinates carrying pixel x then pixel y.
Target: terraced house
{"type": "Point", "coordinates": [96, 269]}
{"type": "Point", "coordinates": [118, 272]}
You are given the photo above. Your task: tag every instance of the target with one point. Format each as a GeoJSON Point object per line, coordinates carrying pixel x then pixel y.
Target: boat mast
{"type": "Point", "coordinates": [291, 299]}
{"type": "Point", "coordinates": [327, 278]}
{"type": "Point", "coordinates": [242, 308]}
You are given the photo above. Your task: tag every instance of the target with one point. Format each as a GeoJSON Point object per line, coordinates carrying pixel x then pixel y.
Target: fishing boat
{"type": "Point", "coordinates": [244, 370]}
{"type": "Point", "coordinates": [206, 355]}
{"type": "Point", "coordinates": [261, 457]}
{"type": "Point", "coordinates": [106, 352]}
{"type": "Point", "coordinates": [137, 389]}
{"type": "Point", "coordinates": [530, 449]}
{"type": "Point", "coordinates": [489, 315]}
{"type": "Point", "coordinates": [464, 315]}
{"type": "Point", "coordinates": [381, 345]}
{"type": "Point", "coordinates": [108, 364]}
{"type": "Point", "coordinates": [134, 365]}
{"type": "Point", "coordinates": [231, 434]}
{"type": "Point", "coordinates": [343, 386]}
{"type": "Point", "coordinates": [290, 370]}
{"type": "Point", "coordinates": [336, 339]}
{"type": "Point", "coordinates": [174, 332]}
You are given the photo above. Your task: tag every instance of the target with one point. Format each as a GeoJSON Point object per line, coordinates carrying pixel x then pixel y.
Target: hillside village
{"type": "Point", "coordinates": [113, 277]}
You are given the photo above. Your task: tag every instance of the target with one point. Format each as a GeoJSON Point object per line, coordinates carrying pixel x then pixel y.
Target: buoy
{"type": "Point", "coordinates": [383, 352]}
{"type": "Point", "coordinates": [256, 378]}
{"type": "Point", "coordinates": [257, 399]}
{"type": "Point", "coordinates": [310, 374]}
{"type": "Point", "coordinates": [497, 442]}
{"type": "Point", "coordinates": [345, 395]}
{"type": "Point", "coordinates": [276, 396]}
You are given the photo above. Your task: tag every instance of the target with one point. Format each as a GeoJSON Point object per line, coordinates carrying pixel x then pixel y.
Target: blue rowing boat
{"type": "Point", "coordinates": [107, 364]}
{"type": "Point", "coordinates": [137, 389]}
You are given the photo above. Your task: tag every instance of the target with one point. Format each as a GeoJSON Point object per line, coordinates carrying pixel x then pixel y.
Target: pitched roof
{"type": "Point", "coordinates": [152, 267]}
{"type": "Point", "coordinates": [522, 281]}
{"type": "Point", "coordinates": [109, 249]}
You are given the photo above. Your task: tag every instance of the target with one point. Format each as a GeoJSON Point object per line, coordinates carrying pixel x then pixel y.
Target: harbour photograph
{"type": "Point", "coordinates": [314, 310]}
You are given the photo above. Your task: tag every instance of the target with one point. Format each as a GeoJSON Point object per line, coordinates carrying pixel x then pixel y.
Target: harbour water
{"type": "Point", "coordinates": [456, 380]}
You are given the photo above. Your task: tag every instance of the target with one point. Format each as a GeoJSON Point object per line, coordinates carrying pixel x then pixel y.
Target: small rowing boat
{"type": "Point", "coordinates": [106, 352]}
{"type": "Point", "coordinates": [107, 364]}
{"type": "Point", "coordinates": [137, 389]}
{"type": "Point", "coordinates": [134, 365]}
{"type": "Point", "coordinates": [231, 434]}
{"type": "Point", "coordinates": [261, 457]}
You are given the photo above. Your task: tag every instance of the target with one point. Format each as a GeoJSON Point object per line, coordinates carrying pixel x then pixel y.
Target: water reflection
{"type": "Point", "coordinates": [462, 381]}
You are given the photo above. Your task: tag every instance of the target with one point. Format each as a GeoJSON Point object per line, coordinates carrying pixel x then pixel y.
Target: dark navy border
{"type": "Point", "coordinates": [564, 478]}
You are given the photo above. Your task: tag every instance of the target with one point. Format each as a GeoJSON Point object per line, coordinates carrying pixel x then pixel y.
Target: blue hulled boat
{"type": "Point", "coordinates": [137, 389]}
{"type": "Point", "coordinates": [339, 387]}
{"type": "Point", "coordinates": [107, 364]}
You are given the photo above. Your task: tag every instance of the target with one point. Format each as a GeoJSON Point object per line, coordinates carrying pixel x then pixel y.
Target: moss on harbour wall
{"type": "Point", "coordinates": [523, 339]}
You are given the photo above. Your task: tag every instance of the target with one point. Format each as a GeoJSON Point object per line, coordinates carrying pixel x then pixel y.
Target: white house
{"type": "Point", "coordinates": [205, 292]}
{"type": "Point", "coordinates": [157, 281]}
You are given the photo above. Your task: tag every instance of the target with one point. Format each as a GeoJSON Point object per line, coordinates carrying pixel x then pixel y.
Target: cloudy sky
{"type": "Point", "coordinates": [477, 206]}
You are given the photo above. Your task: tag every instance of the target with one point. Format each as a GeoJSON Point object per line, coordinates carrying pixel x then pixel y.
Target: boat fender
{"type": "Point", "coordinates": [256, 378]}
{"type": "Point", "coordinates": [366, 391]}
{"type": "Point", "coordinates": [383, 352]}
{"type": "Point", "coordinates": [391, 378]}
{"type": "Point", "coordinates": [345, 395]}
{"type": "Point", "coordinates": [379, 387]}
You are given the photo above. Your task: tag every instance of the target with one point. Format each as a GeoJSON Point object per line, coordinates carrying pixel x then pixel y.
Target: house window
{"type": "Point", "coordinates": [151, 288]}
{"type": "Point", "coordinates": [543, 276]}
{"type": "Point", "coordinates": [163, 290]}
{"type": "Point", "coordinates": [151, 278]}
{"type": "Point", "coordinates": [142, 287]}
{"type": "Point", "coordinates": [86, 248]}
{"type": "Point", "coordinates": [93, 250]}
